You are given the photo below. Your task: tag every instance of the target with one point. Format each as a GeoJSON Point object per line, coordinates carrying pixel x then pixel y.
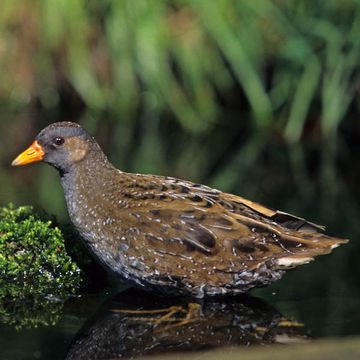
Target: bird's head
{"type": "Point", "coordinates": [61, 144]}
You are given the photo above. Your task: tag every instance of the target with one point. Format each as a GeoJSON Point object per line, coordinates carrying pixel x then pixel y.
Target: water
{"type": "Point", "coordinates": [103, 325]}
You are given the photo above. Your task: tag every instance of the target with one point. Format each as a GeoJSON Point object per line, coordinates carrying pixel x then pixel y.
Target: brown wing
{"type": "Point", "coordinates": [212, 235]}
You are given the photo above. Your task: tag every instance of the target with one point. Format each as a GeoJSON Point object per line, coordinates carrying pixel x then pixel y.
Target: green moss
{"type": "Point", "coordinates": [34, 268]}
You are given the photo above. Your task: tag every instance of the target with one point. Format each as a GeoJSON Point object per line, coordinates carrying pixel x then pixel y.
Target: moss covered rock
{"type": "Point", "coordinates": [34, 266]}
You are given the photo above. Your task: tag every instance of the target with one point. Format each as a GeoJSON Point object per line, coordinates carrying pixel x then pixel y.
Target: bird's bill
{"type": "Point", "coordinates": [33, 153]}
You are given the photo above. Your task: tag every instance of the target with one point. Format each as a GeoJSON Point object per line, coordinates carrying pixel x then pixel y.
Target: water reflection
{"type": "Point", "coordinates": [136, 324]}
{"type": "Point", "coordinates": [28, 311]}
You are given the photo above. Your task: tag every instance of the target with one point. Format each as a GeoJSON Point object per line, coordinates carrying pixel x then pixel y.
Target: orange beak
{"type": "Point", "coordinates": [32, 154]}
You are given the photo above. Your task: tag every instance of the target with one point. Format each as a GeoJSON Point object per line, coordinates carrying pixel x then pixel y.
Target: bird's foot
{"type": "Point", "coordinates": [169, 317]}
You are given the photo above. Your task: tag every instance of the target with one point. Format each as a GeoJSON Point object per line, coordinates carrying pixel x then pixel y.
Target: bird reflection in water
{"type": "Point", "coordinates": [137, 324]}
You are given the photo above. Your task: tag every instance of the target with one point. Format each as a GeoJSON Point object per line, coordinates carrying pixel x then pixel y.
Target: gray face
{"type": "Point", "coordinates": [64, 144]}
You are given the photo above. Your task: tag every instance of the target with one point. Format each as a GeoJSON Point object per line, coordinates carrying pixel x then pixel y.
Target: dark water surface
{"type": "Point", "coordinates": [93, 328]}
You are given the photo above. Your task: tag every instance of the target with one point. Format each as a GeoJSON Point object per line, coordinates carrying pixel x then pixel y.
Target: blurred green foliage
{"type": "Point", "coordinates": [34, 268]}
{"type": "Point", "coordinates": [176, 55]}
{"type": "Point", "coordinates": [196, 89]}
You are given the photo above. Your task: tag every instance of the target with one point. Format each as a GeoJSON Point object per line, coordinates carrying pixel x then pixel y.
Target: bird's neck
{"type": "Point", "coordinates": [87, 186]}
{"type": "Point", "coordinates": [85, 180]}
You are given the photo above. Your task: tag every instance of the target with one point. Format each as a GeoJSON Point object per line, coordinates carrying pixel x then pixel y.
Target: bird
{"type": "Point", "coordinates": [167, 235]}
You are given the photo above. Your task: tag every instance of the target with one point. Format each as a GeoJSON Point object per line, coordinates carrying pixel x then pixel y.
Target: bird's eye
{"type": "Point", "coordinates": [58, 141]}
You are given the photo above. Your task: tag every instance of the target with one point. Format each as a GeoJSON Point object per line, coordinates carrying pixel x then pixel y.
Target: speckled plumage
{"type": "Point", "coordinates": [174, 236]}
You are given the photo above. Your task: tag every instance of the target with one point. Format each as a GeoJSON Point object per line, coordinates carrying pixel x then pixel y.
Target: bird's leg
{"type": "Point", "coordinates": [191, 314]}
{"type": "Point", "coordinates": [167, 317]}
